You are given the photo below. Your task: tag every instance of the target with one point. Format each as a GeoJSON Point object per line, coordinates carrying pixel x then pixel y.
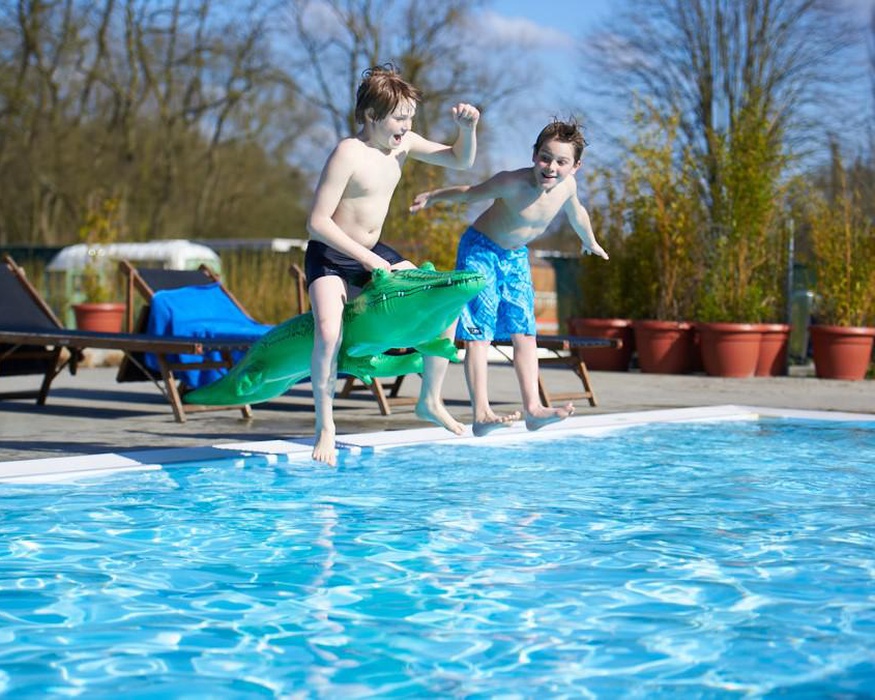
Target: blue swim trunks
{"type": "Point", "coordinates": [507, 303]}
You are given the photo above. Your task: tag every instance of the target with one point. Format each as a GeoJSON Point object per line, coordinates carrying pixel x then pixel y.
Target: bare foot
{"type": "Point", "coordinates": [438, 413]}
{"type": "Point", "coordinates": [493, 421]}
{"type": "Point", "coordinates": [544, 416]}
{"type": "Point", "coordinates": [325, 450]}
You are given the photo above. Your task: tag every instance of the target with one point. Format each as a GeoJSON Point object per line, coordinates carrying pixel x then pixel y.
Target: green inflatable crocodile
{"type": "Point", "coordinates": [401, 309]}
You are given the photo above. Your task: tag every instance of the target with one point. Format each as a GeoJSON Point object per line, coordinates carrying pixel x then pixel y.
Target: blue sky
{"type": "Point", "coordinates": [551, 31]}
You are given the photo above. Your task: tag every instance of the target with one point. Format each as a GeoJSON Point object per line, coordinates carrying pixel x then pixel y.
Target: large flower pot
{"type": "Point", "coordinates": [605, 359]}
{"type": "Point", "coordinates": [841, 352]}
{"type": "Point", "coordinates": [774, 344]}
{"type": "Point", "coordinates": [101, 317]}
{"type": "Point", "coordinates": [664, 347]}
{"type": "Point", "coordinates": [730, 349]}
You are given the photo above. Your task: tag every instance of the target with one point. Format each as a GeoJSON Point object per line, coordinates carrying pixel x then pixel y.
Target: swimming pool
{"type": "Point", "coordinates": [722, 559]}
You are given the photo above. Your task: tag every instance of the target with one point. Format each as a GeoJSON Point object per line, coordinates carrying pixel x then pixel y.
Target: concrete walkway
{"type": "Point", "coordinates": [90, 413]}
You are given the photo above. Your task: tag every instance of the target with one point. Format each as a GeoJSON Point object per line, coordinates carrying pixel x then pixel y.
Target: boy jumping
{"type": "Point", "coordinates": [525, 201]}
{"type": "Point", "coordinates": [345, 223]}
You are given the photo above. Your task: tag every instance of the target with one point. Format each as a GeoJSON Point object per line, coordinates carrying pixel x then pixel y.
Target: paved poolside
{"type": "Point", "coordinates": [91, 413]}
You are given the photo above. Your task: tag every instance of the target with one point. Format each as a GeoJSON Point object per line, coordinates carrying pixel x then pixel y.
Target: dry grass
{"type": "Point", "coordinates": [258, 278]}
{"type": "Point", "coordinates": [261, 281]}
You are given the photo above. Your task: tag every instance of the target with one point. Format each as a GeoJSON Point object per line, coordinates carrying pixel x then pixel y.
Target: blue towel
{"type": "Point", "coordinates": [204, 311]}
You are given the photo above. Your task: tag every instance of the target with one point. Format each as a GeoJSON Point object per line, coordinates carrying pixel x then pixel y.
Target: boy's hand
{"type": "Point", "coordinates": [377, 263]}
{"type": "Point", "coordinates": [420, 201]}
{"type": "Point", "coordinates": [465, 115]}
{"type": "Point", "coordinates": [594, 249]}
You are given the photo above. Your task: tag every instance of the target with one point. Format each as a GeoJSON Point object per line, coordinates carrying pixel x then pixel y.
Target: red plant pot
{"type": "Point", "coordinates": [730, 349]}
{"type": "Point", "coordinates": [605, 359]}
{"type": "Point", "coordinates": [664, 347]}
{"type": "Point", "coordinates": [774, 344]}
{"type": "Point", "coordinates": [841, 352]}
{"type": "Point", "coordinates": [100, 317]}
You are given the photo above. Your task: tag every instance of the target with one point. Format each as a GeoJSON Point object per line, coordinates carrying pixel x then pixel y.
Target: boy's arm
{"type": "Point", "coordinates": [461, 154]}
{"type": "Point", "coordinates": [321, 225]}
{"type": "Point", "coordinates": [493, 188]}
{"type": "Point", "coordinates": [581, 224]}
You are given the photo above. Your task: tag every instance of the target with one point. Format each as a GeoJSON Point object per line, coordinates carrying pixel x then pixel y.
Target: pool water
{"type": "Point", "coordinates": [713, 560]}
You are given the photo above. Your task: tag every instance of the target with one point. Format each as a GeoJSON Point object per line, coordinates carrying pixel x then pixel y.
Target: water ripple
{"type": "Point", "coordinates": [695, 561]}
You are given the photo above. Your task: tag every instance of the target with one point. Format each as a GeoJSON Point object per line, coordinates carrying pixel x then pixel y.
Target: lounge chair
{"type": "Point", "coordinates": [33, 341]}
{"type": "Point", "coordinates": [25, 312]}
{"type": "Point", "coordinates": [170, 303]}
{"type": "Point", "coordinates": [385, 393]}
{"type": "Point", "coordinates": [562, 349]}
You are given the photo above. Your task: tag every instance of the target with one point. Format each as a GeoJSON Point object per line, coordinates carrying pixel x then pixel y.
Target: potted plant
{"type": "Point", "coordinates": [742, 254]}
{"type": "Point", "coordinates": [99, 308]}
{"type": "Point", "coordinates": [603, 306]}
{"type": "Point", "coordinates": [663, 214]}
{"type": "Point", "coordinates": [842, 246]}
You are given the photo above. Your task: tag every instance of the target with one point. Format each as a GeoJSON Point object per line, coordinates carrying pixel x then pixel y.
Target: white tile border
{"type": "Point", "coordinates": [57, 469]}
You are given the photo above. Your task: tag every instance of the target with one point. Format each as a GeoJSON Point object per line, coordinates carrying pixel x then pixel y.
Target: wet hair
{"type": "Point", "coordinates": [564, 132]}
{"type": "Point", "coordinates": [382, 89]}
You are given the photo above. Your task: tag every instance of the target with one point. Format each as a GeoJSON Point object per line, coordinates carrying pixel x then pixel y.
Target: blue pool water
{"type": "Point", "coordinates": [700, 560]}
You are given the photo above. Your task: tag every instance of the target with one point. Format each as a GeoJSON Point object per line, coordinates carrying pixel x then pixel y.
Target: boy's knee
{"type": "Point", "coordinates": [327, 333]}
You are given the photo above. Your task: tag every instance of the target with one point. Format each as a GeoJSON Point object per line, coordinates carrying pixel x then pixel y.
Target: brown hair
{"type": "Point", "coordinates": [564, 132]}
{"type": "Point", "coordinates": [382, 89]}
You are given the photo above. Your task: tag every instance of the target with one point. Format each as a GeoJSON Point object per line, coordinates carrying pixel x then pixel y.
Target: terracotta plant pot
{"type": "Point", "coordinates": [730, 349]}
{"type": "Point", "coordinates": [664, 347]}
{"type": "Point", "coordinates": [605, 359]}
{"type": "Point", "coordinates": [100, 317]}
{"type": "Point", "coordinates": [841, 352]}
{"type": "Point", "coordinates": [774, 346]}
{"type": "Point", "coordinates": [696, 364]}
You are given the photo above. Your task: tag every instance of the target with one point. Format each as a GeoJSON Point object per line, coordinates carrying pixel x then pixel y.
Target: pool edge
{"type": "Point", "coordinates": [69, 468]}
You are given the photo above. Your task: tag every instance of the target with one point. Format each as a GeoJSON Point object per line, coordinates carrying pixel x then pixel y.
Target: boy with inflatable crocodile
{"type": "Point", "coordinates": [525, 201]}
{"type": "Point", "coordinates": [349, 208]}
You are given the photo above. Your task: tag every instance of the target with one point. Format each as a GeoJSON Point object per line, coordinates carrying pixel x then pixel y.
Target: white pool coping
{"type": "Point", "coordinates": [58, 469]}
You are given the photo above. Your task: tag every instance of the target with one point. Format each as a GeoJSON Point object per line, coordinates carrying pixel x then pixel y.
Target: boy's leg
{"type": "Point", "coordinates": [327, 296]}
{"type": "Point", "coordinates": [431, 406]}
{"type": "Point", "coordinates": [525, 364]}
{"type": "Point", "coordinates": [476, 374]}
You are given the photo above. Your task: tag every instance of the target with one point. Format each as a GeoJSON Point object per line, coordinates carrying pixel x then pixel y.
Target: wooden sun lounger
{"type": "Point", "coordinates": [563, 352]}
{"type": "Point", "coordinates": [141, 286]}
{"type": "Point", "coordinates": [32, 341]}
{"type": "Point", "coordinates": [131, 344]}
{"type": "Point", "coordinates": [563, 349]}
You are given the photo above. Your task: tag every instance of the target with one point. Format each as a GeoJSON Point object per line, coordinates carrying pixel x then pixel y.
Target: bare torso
{"type": "Point", "coordinates": [365, 202]}
{"type": "Point", "coordinates": [523, 211]}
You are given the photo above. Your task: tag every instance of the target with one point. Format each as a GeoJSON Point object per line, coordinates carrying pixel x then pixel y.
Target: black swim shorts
{"type": "Point", "coordinates": [322, 260]}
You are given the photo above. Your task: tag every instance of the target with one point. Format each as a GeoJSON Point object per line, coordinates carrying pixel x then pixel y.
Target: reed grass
{"type": "Point", "coordinates": [261, 281]}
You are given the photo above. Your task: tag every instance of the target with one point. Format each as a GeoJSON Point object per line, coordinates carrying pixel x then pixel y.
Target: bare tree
{"type": "Point", "coordinates": [748, 79]}
{"type": "Point", "coordinates": [709, 60]}
{"type": "Point", "coordinates": [331, 42]}
{"type": "Point", "coordinates": [176, 106]}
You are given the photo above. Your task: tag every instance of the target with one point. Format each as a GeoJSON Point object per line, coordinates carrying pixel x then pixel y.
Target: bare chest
{"type": "Point", "coordinates": [536, 209]}
{"type": "Point", "coordinates": [376, 175]}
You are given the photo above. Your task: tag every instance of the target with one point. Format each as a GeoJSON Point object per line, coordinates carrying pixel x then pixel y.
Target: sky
{"type": "Point", "coordinates": [552, 31]}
